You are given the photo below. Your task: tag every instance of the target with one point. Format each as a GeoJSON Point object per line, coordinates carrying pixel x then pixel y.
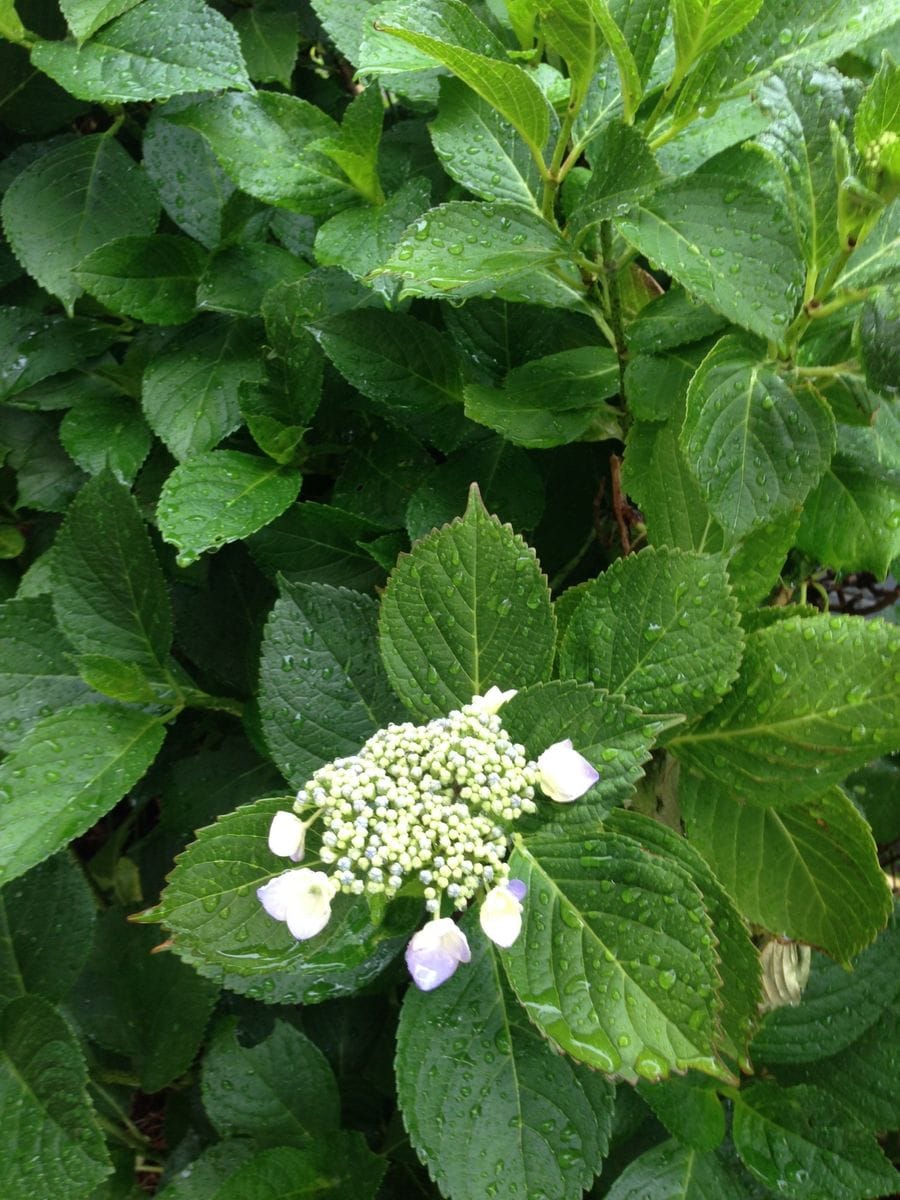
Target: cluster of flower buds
{"type": "Point", "coordinates": [431, 803]}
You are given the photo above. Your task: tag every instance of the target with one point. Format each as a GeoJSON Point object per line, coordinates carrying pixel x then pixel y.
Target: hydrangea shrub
{"type": "Point", "coordinates": [449, 689]}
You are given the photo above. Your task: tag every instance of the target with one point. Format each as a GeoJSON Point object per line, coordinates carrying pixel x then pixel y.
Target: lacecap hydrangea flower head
{"type": "Point", "coordinates": [432, 803]}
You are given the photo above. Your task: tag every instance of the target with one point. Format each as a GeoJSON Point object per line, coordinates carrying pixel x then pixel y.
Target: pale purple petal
{"type": "Point", "coordinates": [564, 773]}
{"type": "Point", "coordinates": [518, 888]}
{"type": "Point", "coordinates": [434, 953]}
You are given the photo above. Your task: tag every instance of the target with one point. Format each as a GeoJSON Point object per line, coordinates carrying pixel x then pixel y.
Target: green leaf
{"type": "Point", "coordinates": [149, 1007]}
{"type": "Point", "coordinates": [380, 472]}
{"type": "Point", "coordinates": [149, 278]}
{"type": "Point", "coordinates": [726, 240]}
{"type": "Point", "coordinates": [35, 347]}
{"type": "Point", "coordinates": [468, 609]}
{"type": "Point", "coordinates": [280, 1092]}
{"type": "Point", "coordinates": [448, 33]}
{"type": "Point", "coordinates": [338, 1165]}
{"type": "Point", "coordinates": [269, 43]}
{"type": "Point", "coordinates": [109, 589]}
{"type": "Point", "coordinates": [553, 400]}
{"type": "Point", "coordinates": [850, 520]}
{"type": "Point", "coordinates": [619, 973]}
{"type": "Point", "coordinates": [656, 384]}
{"type": "Point", "coordinates": [878, 256]}
{"type": "Point", "coordinates": [673, 319]}
{"type": "Point", "coordinates": [239, 277]}
{"type": "Point", "coordinates": [149, 54]}
{"type": "Point", "coordinates": [123, 681]}
{"type": "Point", "coordinates": [787, 731]}
{"type": "Point", "coordinates": [502, 167]}
{"type": "Point", "coordinates": [66, 773]}
{"type": "Point", "coordinates": [689, 1108]}
{"type": "Point", "coordinates": [473, 1072]}
{"type": "Point", "coordinates": [393, 358]}
{"type": "Point", "coordinates": [358, 240]}
{"type": "Point", "coordinates": [36, 672]}
{"type": "Point", "coordinates": [838, 1006]}
{"type": "Point", "coordinates": [220, 928]}
{"type": "Point", "coordinates": [472, 249]}
{"type": "Point", "coordinates": [263, 142]}
{"type": "Point", "coordinates": [355, 147]}
{"type": "Point", "coordinates": [46, 478]}
{"type": "Point", "coordinates": [879, 113]}
{"type": "Point", "coordinates": [624, 171]}
{"type": "Point", "coordinates": [699, 25]}
{"type": "Point", "coordinates": [756, 446]}
{"type": "Point", "coordinates": [671, 1171]}
{"type": "Point", "coordinates": [74, 199]}
{"type": "Point", "coordinates": [107, 433]}
{"type": "Point", "coordinates": [644, 629]}
{"type": "Point", "coordinates": [322, 690]}
{"type": "Point", "coordinates": [219, 497]}
{"type": "Point", "coordinates": [85, 17]}
{"type": "Point", "coordinates": [46, 928]}
{"type": "Point", "coordinates": [793, 870]}
{"type": "Point", "coordinates": [191, 387]}
{"type": "Point", "coordinates": [879, 339]}
{"type": "Point", "coordinates": [801, 1135]}
{"type": "Point", "coordinates": [50, 1140]}
{"type": "Point", "coordinates": [319, 543]}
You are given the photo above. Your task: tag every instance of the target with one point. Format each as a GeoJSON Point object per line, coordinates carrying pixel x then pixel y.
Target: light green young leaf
{"type": "Point", "coordinates": [149, 54]}
{"type": "Point", "coordinates": [787, 731]}
{"type": "Point", "coordinates": [624, 171]}
{"type": "Point", "coordinates": [74, 199]}
{"type": "Point", "coordinates": [463, 249]}
{"type": "Point", "coordinates": [65, 774]}
{"type": "Point", "coordinates": [755, 445]}
{"type": "Point", "coordinates": [804, 1136]}
{"type": "Point", "coordinates": [107, 433]}
{"type": "Point", "coordinates": [450, 34]}
{"type": "Point", "coordinates": [672, 1171]}
{"type": "Point", "coordinates": [219, 497]}
{"type": "Point", "coordinates": [699, 25]}
{"type": "Point", "coordinates": [792, 870]}
{"type": "Point", "coordinates": [263, 142]}
{"type": "Point", "coordinates": [279, 1092]}
{"type": "Point", "coordinates": [152, 279]}
{"type": "Point", "coordinates": [322, 690]}
{"type": "Point", "coordinates": [466, 610]}
{"type": "Point", "coordinates": [502, 168]}
{"type": "Point", "coordinates": [617, 975]}
{"type": "Point", "coordinates": [644, 628]}
{"type": "Point", "coordinates": [553, 400]}
{"type": "Point", "coordinates": [355, 148]}
{"type": "Point", "coordinates": [533, 1122]}
{"type": "Point", "coordinates": [580, 33]}
{"type": "Point", "coordinates": [191, 387]}
{"type": "Point", "coordinates": [726, 240]}
{"type": "Point", "coordinates": [50, 1139]}
{"type": "Point", "coordinates": [269, 43]}
{"type": "Point", "coordinates": [878, 257]}
{"type": "Point", "coordinates": [85, 17]}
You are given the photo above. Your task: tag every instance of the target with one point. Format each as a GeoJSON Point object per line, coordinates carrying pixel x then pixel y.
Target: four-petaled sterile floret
{"type": "Point", "coordinates": [430, 803]}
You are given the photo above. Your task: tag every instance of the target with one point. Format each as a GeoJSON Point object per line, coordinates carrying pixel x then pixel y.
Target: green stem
{"type": "Point", "coordinates": [554, 175]}
{"type": "Point", "coordinates": [843, 368]}
{"type": "Point", "coordinates": [614, 301]}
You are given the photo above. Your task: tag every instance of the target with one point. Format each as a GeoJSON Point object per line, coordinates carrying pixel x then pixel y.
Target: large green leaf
{"type": "Point", "coordinates": [152, 279]}
{"type": "Point", "coordinates": [322, 688]}
{"type": "Point", "coordinates": [72, 200]}
{"type": "Point", "coordinates": [151, 1008]}
{"type": "Point", "coordinates": [149, 54]}
{"type": "Point", "coordinates": [788, 730]}
{"type": "Point", "coordinates": [50, 1139]}
{"type": "Point", "coordinates": [219, 926]}
{"type": "Point", "coordinates": [552, 400]}
{"type": "Point", "coordinates": [85, 17]}
{"type": "Point", "coordinates": [109, 591]}
{"type": "Point", "coordinates": [809, 871]}
{"type": "Point", "coordinates": [219, 497]}
{"type": "Point", "coordinates": [645, 629]}
{"type": "Point", "coordinates": [615, 962]}
{"type": "Point", "coordinates": [193, 188]}
{"type": "Point", "coordinates": [450, 34]}
{"type": "Point", "coordinates": [755, 445]}
{"type": "Point", "coordinates": [36, 672]}
{"type": "Point", "coordinates": [46, 928]}
{"type": "Point", "coordinates": [191, 387]}
{"type": "Point", "coordinates": [467, 610]}
{"type": "Point", "coordinates": [700, 25]}
{"type": "Point", "coordinates": [726, 240]}
{"type": "Point", "coordinates": [464, 249]}
{"type": "Point", "coordinates": [280, 1092]}
{"type": "Point", "coordinates": [66, 773]}
{"type": "Point", "coordinates": [491, 1110]}
{"type": "Point", "coordinates": [672, 1171]}
{"type": "Point", "coordinates": [801, 1136]}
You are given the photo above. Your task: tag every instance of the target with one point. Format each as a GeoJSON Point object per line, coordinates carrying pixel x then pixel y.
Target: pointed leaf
{"type": "Point", "coordinates": [671, 1171]}
{"type": "Point", "coordinates": [152, 279]}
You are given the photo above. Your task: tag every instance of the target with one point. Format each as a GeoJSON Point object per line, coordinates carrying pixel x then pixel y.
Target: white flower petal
{"type": "Point", "coordinates": [275, 896]}
{"type": "Point", "coordinates": [434, 953]}
{"type": "Point", "coordinates": [287, 834]}
{"type": "Point", "coordinates": [302, 898]}
{"type": "Point", "coordinates": [492, 700]}
{"type": "Point", "coordinates": [501, 915]}
{"type": "Point", "coordinates": [564, 773]}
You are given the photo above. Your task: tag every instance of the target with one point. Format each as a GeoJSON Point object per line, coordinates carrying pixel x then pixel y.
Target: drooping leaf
{"type": "Point", "coordinates": [269, 43]}
{"type": "Point", "coordinates": [467, 610]}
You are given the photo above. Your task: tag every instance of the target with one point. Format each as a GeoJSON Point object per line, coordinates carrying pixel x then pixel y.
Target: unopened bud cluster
{"type": "Point", "coordinates": [429, 801]}
{"type": "Point", "coordinates": [876, 148]}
